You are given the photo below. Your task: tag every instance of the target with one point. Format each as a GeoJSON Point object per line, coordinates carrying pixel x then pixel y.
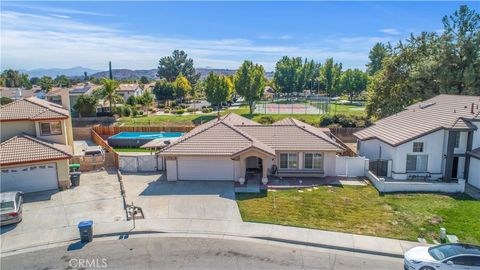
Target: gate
{"type": "Point", "coordinates": [147, 163]}
{"type": "Point", "coordinates": [128, 164]}
{"type": "Point", "coordinates": [379, 167]}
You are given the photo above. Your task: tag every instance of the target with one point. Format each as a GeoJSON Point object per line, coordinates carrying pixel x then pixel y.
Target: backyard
{"type": "Point", "coordinates": [361, 210]}
{"type": "Point", "coordinates": [189, 119]}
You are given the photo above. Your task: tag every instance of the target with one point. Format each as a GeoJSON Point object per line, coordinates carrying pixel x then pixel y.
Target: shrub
{"type": "Point", "coordinates": [140, 112]}
{"type": "Point", "coordinates": [161, 106]}
{"type": "Point", "coordinates": [173, 103]}
{"type": "Point", "coordinates": [266, 120]}
{"type": "Point", "coordinates": [126, 111]}
{"type": "Point", "coordinates": [180, 111]}
{"type": "Point", "coordinates": [207, 110]}
{"type": "Point", "coordinates": [344, 121]}
{"type": "Point", "coordinates": [134, 112]}
{"type": "Point", "coordinates": [166, 111]}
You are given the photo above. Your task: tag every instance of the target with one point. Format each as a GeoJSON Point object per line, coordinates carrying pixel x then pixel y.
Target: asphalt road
{"type": "Point", "coordinates": [192, 253]}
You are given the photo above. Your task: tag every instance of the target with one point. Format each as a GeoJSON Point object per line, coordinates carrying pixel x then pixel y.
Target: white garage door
{"type": "Point", "coordinates": [474, 175]}
{"type": "Point", "coordinates": [29, 179]}
{"type": "Point", "coordinates": [205, 168]}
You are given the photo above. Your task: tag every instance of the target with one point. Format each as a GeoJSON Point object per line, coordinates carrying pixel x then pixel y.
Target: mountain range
{"type": "Point", "coordinates": [121, 74]}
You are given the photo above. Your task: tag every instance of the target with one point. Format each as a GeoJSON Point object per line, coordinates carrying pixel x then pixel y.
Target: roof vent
{"type": "Point", "coordinates": [424, 106]}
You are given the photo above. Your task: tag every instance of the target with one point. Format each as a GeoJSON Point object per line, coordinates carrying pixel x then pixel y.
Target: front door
{"type": "Point", "coordinates": [455, 168]}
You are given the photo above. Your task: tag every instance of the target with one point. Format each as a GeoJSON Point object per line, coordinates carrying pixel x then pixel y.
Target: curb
{"type": "Point", "coordinates": [146, 233]}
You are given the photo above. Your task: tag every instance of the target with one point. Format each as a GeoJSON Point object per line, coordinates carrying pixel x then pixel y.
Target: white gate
{"type": "Point", "coordinates": [143, 163]}
{"type": "Point", "coordinates": [147, 163]}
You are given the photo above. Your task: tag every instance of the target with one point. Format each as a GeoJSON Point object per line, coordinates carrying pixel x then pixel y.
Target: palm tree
{"type": "Point", "coordinates": [110, 91]}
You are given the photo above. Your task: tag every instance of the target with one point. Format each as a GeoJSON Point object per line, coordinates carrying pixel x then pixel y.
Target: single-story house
{"type": "Point", "coordinates": [36, 145]}
{"type": "Point", "coordinates": [438, 139]}
{"type": "Point", "coordinates": [225, 148]}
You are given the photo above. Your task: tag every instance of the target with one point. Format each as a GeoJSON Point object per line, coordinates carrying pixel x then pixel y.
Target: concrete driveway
{"type": "Point", "coordinates": [181, 199]}
{"type": "Point", "coordinates": [97, 198]}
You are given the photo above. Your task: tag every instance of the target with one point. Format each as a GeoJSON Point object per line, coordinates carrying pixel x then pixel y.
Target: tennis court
{"type": "Point", "coordinates": [293, 108]}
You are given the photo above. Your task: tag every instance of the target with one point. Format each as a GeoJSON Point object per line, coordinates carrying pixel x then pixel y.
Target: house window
{"type": "Point", "coordinates": [313, 161]}
{"type": "Point", "coordinates": [457, 139]}
{"type": "Point", "coordinates": [418, 147]}
{"type": "Point", "coordinates": [417, 163]}
{"type": "Point", "coordinates": [50, 128]}
{"type": "Point", "coordinates": [288, 160]}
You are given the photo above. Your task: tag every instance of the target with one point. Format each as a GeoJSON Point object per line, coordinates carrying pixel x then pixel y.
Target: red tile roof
{"type": "Point", "coordinates": [32, 109]}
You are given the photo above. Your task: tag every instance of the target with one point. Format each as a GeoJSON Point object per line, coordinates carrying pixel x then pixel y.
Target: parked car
{"type": "Point", "coordinates": [443, 257]}
{"type": "Point", "coordinates": [11, 207]}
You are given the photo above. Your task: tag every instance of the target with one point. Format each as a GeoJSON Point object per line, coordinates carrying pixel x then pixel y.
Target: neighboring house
{"type": "Point", "coordinates": [226, 148]}
{"type": "Point", "coordinates": [126, 90]}
{"type": "Point", "coordinates": [36, 145]}
{"type": "Point", "coordinates": [15, 93]}
{"type": "Point", "coordinates": [438, 139]}
{"type": "Point", "coordinates": [54, 95]}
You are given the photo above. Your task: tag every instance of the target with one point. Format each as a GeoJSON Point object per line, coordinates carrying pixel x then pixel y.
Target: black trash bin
{"type": "Point", "coordinates": [86, 231]}
{"type": "Point", "coordinates": [75, 178]}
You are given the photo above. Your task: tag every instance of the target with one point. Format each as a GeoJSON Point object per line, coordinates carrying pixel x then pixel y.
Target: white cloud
{"type": "Point", "coordinates": [390, 31]}
{"type": "Point", "coordinates": [33, 41]}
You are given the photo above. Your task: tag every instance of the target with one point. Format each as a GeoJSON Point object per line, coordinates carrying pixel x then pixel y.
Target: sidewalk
{"type": "Point", "coordinates": [293, 235]}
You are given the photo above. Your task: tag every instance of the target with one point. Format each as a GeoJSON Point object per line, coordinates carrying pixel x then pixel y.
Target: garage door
{"type": "Point", "coordinates": [197, 168]}
{"type": "Point", "coordinates": [29, 179]}
{"type": "Point", "coordinates": [474, 175]}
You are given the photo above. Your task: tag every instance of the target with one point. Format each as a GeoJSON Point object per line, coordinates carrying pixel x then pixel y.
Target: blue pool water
{"type": "Point", "coordinates": [146, 135]}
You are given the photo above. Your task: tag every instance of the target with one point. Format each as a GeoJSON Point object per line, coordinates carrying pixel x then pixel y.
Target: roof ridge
{"type": "Point", "coordinates": [250, 138]}
{"type": "Point", "coordinates": [7, 140]}
{"type": "Point", "coordinates": [313, 133]}
{"type": "Point", "coordinates": [44, 143]}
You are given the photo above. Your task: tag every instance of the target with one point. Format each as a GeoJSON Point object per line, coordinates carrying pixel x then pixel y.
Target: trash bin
{"type": "Point", "coordinates": [86, 231]}
{"type": "Point", "coordinates": [75, 178]}
{"type": "Point", "coordinates": [74, 167]}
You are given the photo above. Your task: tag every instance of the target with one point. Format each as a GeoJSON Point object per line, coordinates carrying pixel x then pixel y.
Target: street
{"type": "Point", "coordinates": [193, 253]}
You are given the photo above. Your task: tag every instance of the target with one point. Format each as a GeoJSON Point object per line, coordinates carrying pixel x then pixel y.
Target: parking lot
{"type": "Point", "coordinates": [97, 198]}
{"type": "Point", "coordinates": [181, 199]}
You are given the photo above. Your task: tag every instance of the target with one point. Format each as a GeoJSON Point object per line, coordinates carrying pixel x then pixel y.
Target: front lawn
{"type": "Point", "coordinates": [182, 120]}
{"type": "Point", "coordinates": [361, 210]}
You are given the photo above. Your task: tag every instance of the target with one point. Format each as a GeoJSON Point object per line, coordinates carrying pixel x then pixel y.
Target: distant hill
{"type": "Point", "coordinates": [128, 74]}
{"type": "Point", "coordinates": [54, 72]}
{"type": "Point", "coordinates": [120, 74]}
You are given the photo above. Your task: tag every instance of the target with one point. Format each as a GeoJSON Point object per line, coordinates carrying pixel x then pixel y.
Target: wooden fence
{"type": "Point", "coordinates": [96, 138]}
{"type": "Point", "coordinates": [107, 131]}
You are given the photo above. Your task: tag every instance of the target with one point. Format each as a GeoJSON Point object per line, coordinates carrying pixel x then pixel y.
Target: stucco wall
{"type": "Point", "coordinates": [476, 136]}
{"type": "Point", "coordinates": [61, 138]}
{"type": "Point", "coordinates": [474, 173]}
{"type": "Point", "coordinates": [11, 129]}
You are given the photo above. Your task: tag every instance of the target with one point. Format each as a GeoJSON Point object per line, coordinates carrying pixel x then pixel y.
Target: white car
{"type": "Point", "coordinates": [443, 257]}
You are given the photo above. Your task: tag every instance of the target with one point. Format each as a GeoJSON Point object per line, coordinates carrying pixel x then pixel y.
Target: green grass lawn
{"type": "Point", "coordinates": [124, 149]}
{"type": "Point", "coordinates": [361, 210]}
{"type": "Point", "coordinates": [181, 120]}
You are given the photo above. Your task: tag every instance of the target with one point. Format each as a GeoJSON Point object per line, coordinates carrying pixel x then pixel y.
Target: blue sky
{"type": "Point", "coordinates": [215, 34]}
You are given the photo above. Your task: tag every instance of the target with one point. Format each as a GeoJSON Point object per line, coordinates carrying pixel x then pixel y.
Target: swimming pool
{"type": "Point", "coordinates": [137, 139]}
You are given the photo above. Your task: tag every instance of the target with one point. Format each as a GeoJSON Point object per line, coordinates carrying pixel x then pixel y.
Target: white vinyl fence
{"type": "Point", "coordinates": [142, 163]}
{"type": "Point", "coordinates": [351, 166]}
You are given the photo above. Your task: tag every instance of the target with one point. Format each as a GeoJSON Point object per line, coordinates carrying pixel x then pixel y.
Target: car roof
{"type": "Point", "coordinates": [8, 196]}
{"type": "Point", "coordinates": [464, 249]}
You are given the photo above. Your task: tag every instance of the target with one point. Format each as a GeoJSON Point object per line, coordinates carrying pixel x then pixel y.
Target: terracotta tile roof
{"type": "Point", "coordinates": [26, 149]}
{"type": "Point", "coordinates": [233, 134]}
{"type": "Point", "coordinates": [32, 109]}
{"type": "Point", "coordinates": [440, 112]}
{"type": "Point", "coordinates": [124, 87]}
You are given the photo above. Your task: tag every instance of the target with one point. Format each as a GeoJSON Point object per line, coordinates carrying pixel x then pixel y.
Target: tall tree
{"type": "Point", "coordinates": [376, 56]}
{"type": "Point", "coordinates": [250, 82]}
{"type": "Point", "coordinates": [85, 105]}
{"type": "Point", "coordinates": [144, 80]}
{"type": "Point", "coordinates": [216, 90]}
{"type": "Point", "coordinates": [146, 100]}
{"type": "Point", "coordinates": [182, 87]}
{"type": "Point", "coordinates": [63, 81]}
{"type": "Point", "coordinates": [169, 67]}
{"type": "Point", "coordinates": [46, 83]}
{"type": "Point", "coordinates": [109, 91]}
{"type": "Point", "coordinates": [287, 75]}
{"type": "Point", "coordinates": [13, 78]}
{"type": "Point", "coordinates": [164, 91]}
{"type": "Point", "coordinates": [330, 76]}
{"type": "Point", "coordinates": [353, 82]}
